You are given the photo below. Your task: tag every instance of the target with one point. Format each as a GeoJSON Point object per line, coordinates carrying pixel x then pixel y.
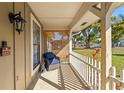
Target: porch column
{"type": "Point", "coordinates": [70, 41]}
{"type": "Point", "coordinates": [70, 45]}
{"type": "Point", "coordinates": [106, 48]}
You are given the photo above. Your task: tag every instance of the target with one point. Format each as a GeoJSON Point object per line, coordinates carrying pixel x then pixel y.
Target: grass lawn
{"type": "Point", "coordinates": [117, 57]}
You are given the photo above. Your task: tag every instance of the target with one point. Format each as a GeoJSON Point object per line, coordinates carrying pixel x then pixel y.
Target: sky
{"type": "Point", "coordinates": [118, 11]}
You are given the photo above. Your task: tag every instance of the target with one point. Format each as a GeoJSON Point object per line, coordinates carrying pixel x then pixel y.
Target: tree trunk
{"type": "Point", "coordinates": [87, 44]}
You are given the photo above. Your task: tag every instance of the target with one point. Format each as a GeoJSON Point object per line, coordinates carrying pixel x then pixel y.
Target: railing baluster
{"type": "Point", "coordinates": [122, 79]}
{"type": "Point", "coordinates": [92, 72]}
{"type": "Point", "coordinates": [112, 84]}
{"type": "Point", "coordinates": [85, 71]}
{"type": "Point", "coordinates": [99, 76]}
{"type": "Point", "coordinates": [95, 75]}
{"type": "Point", "coordinates": [89, 72]}
{"type": "Point", "coordinates": [82, 69]}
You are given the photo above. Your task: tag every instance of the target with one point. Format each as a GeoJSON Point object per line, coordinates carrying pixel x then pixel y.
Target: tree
{"type": "Point", "coordinates": [79, 37]}
{"type": "Point", "coordinates": [74, 41]}
{"type": "Point", "coordinates": [117, 28]}
{"type": "Point", "coordinates": [91, 34]}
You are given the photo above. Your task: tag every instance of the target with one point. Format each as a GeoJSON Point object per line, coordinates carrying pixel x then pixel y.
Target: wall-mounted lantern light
{"type": "Point", "coordinates": [18, 20]}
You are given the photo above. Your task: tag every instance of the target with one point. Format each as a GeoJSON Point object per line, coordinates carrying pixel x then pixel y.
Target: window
{"type": "Point", "coordinates": [35, 44]}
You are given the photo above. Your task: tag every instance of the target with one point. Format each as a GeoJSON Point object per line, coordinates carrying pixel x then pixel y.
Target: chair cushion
{"type": "Point", "coordinates": [55, 61]}
{"type": "Point", "coordinates": [49, 55]}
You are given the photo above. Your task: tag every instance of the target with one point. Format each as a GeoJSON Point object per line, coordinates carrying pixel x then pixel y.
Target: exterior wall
{"type": "Point", "coordinates": [64, 52]}
{"type": "Point", "coordinates": [15, 69]}
{"type": "Point", "coordinates": [28, 77]}
{"type": "Point", "coordinates": [19, 52]}
{"type": "Point", "coordinates": [6, 34]}
{"type": "Point", "coordinates": [27, 45]}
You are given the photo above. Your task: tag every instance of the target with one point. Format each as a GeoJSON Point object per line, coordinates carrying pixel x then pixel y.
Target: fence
{"type": "Point", "coordinates": [88, 68]}
{"type": "Point", "coordinates": [115, 82]}
{"type": "Point", "coordinates": [90, 71]}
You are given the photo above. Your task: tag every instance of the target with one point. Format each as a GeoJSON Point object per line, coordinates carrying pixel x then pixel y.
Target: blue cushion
{"type": "Point", "coordinates": [49, 55]}
{"type": "Point", "coordinates": [55, 61]}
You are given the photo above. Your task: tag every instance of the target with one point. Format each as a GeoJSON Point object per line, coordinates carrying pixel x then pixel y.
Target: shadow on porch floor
{"type": "Point", "coordinates": [63, 78]}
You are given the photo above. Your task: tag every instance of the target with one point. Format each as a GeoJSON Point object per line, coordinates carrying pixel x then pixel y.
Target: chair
{"type": "Point", "coordinates": [51, 61]}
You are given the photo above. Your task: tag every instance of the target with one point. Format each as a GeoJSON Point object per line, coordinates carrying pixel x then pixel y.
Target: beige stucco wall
{"type": "Point", "coordinates": [6, 34]}
{"type": "Point", "coordinates": [20, 48]}
{"type": "Point", "coordinates": [29, 77]}
{"type": "Point", "coordinates": [27, 45]}
{"type": "Point", "coordinates": [62, 53]}
{"type": "Point", "coordinates": [19, 52]}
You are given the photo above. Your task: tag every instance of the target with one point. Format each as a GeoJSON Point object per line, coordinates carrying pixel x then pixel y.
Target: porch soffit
{"type": "Point", "coordinates": [55, 15]}
{"type": "Point", "coordinates": [65, 16]}
{"type": "Point", "coordinates": [85, 14]}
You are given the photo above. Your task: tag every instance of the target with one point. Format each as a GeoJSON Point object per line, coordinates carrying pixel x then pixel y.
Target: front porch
{"type": "Point", "coordinates": [63, 78]}
{"type": "Point", "coordinates": [50, 27]}
{"type": "Point", "coordinates": [81, 72]}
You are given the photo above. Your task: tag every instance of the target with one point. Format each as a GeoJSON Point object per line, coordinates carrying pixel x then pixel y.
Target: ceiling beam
{"type": "Point", "coordinates": [108, 6]}
{"type": "Point", "coordinates": [96, 11]}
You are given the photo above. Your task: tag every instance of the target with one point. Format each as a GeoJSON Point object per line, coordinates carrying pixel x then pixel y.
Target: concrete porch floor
{"type": "Point", "coordinates": [63, 78]}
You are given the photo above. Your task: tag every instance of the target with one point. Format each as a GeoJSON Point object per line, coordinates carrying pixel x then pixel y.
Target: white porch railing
{"type": "Point", "coordinates": [88, 68]}
{"type": "Point", "coordinates": [116, 83]}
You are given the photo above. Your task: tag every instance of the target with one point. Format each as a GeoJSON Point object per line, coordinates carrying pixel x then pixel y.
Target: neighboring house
{"type": "Point", "coordinates": [120, 43]}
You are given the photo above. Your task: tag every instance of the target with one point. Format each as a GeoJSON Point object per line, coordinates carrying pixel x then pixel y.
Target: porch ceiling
{"type": "Point", "coordinates": [61, 16]}
{"type": "Point", "coordinates": [89, 18]}
{"type": "Point", "coordinates": [55, 16]}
